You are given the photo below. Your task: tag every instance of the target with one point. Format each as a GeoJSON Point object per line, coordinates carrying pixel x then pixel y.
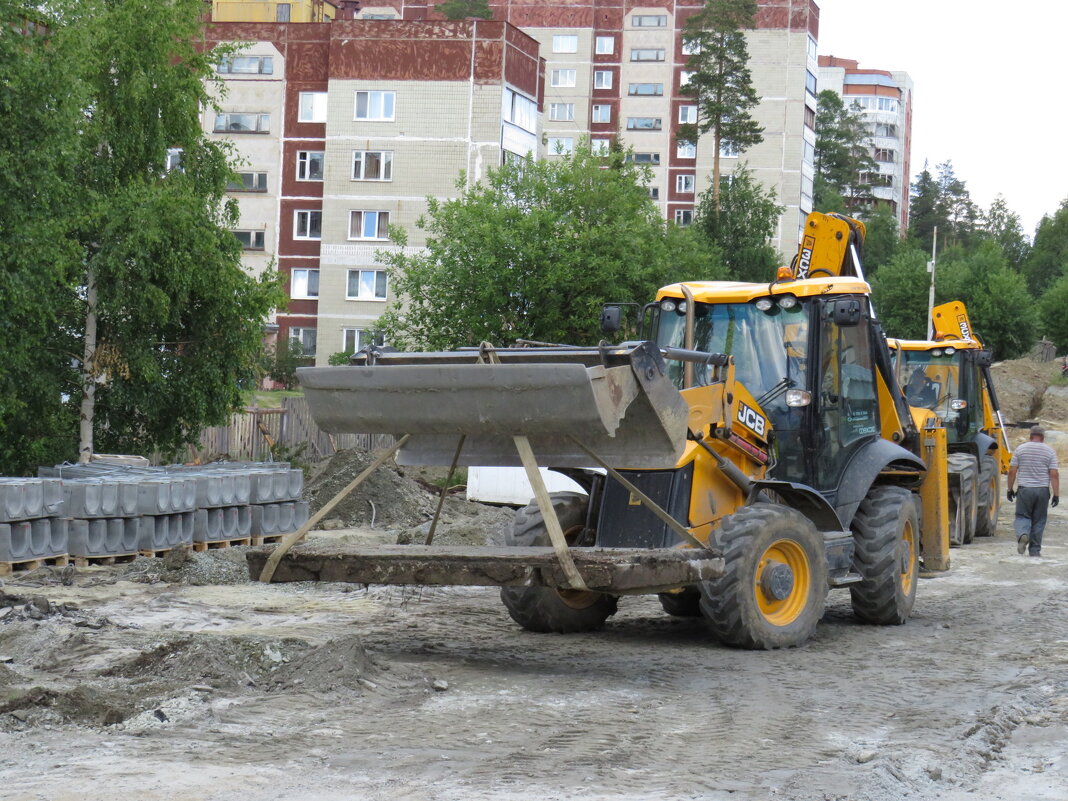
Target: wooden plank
{"type": "Point", "coordinates": [8, 568]}
{"type": "Point", "coordinates": [605, 569]}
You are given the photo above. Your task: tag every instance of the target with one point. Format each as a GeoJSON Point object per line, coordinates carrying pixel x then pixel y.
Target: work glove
{"type": "Point", "coordinates": [1011, 496]}
{"type": "Point", "coordinates": [1055, 500]}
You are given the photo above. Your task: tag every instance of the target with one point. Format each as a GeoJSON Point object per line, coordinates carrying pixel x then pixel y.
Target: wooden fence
{"type": "Point", "coordinates": [252, 434]}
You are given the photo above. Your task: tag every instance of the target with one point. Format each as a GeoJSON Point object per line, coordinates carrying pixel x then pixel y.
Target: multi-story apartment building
{"type": "Point", "coordinates": [344, 129]}
{"type": "Point", "coordinates": [884, 99]}
{"type": "Point", "coordinates": [273, 11]}
{"type": "Point", "coordinates": [611, 69]}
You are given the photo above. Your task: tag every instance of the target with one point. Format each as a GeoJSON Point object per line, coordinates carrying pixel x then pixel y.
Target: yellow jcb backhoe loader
{"type": "Point", "coordinates": [751, 453]}
{"type": "Point", "coordinates": [949, 377]}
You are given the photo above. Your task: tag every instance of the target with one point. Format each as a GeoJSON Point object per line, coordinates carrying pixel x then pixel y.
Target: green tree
{"type": "Point", "coordinates": [38, 257]}
{"type": "Point", "coordinates": [533, 252]}
{"type": "Point", "coordinates": [843, 154]}
{"type": "Point", "coordinates": [1048, 258]}
{"type": "Point", "coordinates": [743, 227]}
{"type": "Point", "coordinates": [900, 293]}
{"type": "Point", "coordinates": [925, 210]}
{"type": "Point", "coordinates": [1002, 225]}
{"type": "Point", "coordinates": [1053, 310]}
{"type": "Point", "coordinates": [999, 305]}
{"type": "Point", "coordinates": [721, 81]}
{"type": "Point", "coordinates": [141, 254]}
{"type": "Point", "coordinates": [462, 9]}
{"type": "Point", "coordinates": [882, 239]}
{"type": "Point", "coordinates": [942, 201]}
{"type": "Point", "coordinates": [280, 361]}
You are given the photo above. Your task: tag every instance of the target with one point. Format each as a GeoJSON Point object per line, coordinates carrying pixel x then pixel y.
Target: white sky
{"type": "Point", "coordinates": [989, 83]}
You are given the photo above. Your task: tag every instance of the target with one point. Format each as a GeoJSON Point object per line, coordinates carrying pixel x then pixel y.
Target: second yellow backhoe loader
{"type": "Point", "coordinates": [949, 376]}
{"type": "Point", "coordinates": [751, 453]}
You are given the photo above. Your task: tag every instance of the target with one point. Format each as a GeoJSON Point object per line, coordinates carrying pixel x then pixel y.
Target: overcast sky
{"type": "Point", "coordinates": [989, 83]}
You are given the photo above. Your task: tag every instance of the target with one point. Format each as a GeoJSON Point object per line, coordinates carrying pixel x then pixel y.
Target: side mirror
{"type": "Point", "coordinates": [847, 312]}
{"type": "Point", "coordinates": [611, 319]}
{"type": "Point", "coordinates": [984, 358]}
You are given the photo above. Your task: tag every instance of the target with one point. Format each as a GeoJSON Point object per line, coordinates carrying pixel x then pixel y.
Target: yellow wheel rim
{"type": "Point", "coordinates": [784, 611]}
{"type": "Point", "coordinates": [908, 557]}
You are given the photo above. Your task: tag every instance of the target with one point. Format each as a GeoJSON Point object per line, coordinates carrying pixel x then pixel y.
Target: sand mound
{"type": "Point", "coordinates": [1021, 384]}
{"type": "Point", "coordinates": [388, 497]}
{"type": "Point", "coordinates": [334, 665]}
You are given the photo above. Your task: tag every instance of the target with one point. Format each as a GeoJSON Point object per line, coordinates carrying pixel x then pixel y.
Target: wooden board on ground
{"type": "Point", "coordinates": [616, 570]}
{"type": "Point", "coordinates": [7, 568]}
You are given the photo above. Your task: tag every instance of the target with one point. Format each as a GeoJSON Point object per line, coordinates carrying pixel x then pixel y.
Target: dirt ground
{"type": "Point", "coordinates": [179, 679]}
{"type": "Point", "coordinates": [189, 682]}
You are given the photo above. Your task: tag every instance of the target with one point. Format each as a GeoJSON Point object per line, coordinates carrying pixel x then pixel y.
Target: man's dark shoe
{"type": "Point", "coordinates": [1022, 543]}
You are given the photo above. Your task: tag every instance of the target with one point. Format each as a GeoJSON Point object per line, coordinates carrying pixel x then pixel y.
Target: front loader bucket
{"type": "Point", "coordinates": [618, 402]}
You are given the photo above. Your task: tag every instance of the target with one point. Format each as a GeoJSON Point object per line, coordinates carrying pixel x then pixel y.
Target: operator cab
{"type": "Point", "coordinates": [945, 379]}
{"type": "Point", "coordinates": [808, 359]}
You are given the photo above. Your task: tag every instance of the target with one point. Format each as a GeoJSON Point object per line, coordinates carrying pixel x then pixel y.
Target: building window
{"type": "Point", "coordinates": [248, 182]}
{"type": "Point", "coordinates": [684, 184]}
{"type": "Point", "coordinates": [312, 107]}
{"type": "Point", "coordinates": [281, 12]}
{"type": "Point", "coordinates": [246, 65]}
{"type": "Point", "coordinates": [645, 89]}
{"type": "Point", "coordinates": [368, 225]}
{"type": "Point", "coordinates": [885, 130]}
{"type": "Point", "coordinates": [810, 118]}
{"type": "Point", "coordinates": [606, 45]}
{"type": "Point", "coordinates": [562, 112]}
{"type": "Point", "coordinates": [690, 48]}
{"type": "Point", "coordinates": [808, 153]}
{"type": "Point", "coordinates": [602, 79]}
{"type": "Point", "coordinates": [174, 159]}
{"type": "Point", "coordinates": [304, 284]}
{"type": "Point", "coordinates": [309, 165]}
{"type": "Point", "coordinates": [520, 110]}
{"type": "Point", "coordinates": [242, 123]}
{"type": "Point", "coordinates": [687, 114]}
{"type": "Point", "coordinates": [366, 285]}
{"type": "Point", "coordinates": [686, 150]}
{"type": "Point", "coordinates": [683, 217]}
{"type": "Point", "coordinates": [308, 224]}
{"type": "Point", "coordinates": [644, 124]}
{"type": "Point", "coordinates": [813, 49]}
{"type": "Point", "coordinates": [648, 21]}
{"type": "Point", "coordinates": [885, 155]}
{"type": "Point", "coordinates": [810, 82]}
{"type": "Point", "coordinates": [647, 54]}
{"type": "Point", "coordinates": [562, 78]}
{"type": "Point", "coordinates": [354, 340]}
{"type": "Point", "coordinates": [644, 158]}
{"type": "Point", "coordinates": [886, 104]}
{"type": "Point", "coordinates": [600, 147]}
{"type": "Point", "coordinates": [654, 192]}
{"type": "Point", "coordinates": [561, 145]}
{"type": "Point", "coordinates": [684, 77]}
{"type": "Point", "coordinates": [378, 106]}
{"type": "Point", "coordinates": [565, 43]}
{"type": "Point", "coordinates": [602, 113]}
{"type": "Point", "coordinates": [303, 339]}
{"type": "Point", "coordinates": [728, 151]}
{"type": "Point", "coordinates": [250, 240]}
{"type": "Point", "coordinates": [372, 165]}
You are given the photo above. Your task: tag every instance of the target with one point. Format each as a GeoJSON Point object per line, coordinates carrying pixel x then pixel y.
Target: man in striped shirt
{"type": "Point", "coordinates": [1035, 464]}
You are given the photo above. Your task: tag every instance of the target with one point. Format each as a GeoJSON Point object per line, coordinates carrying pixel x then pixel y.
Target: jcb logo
{"type": "Point", "coordinates": [751, 419]}
{"type": "Point", "coordinates": [804, 261]}
{"type": "Point", "coordinates": [965, 329]}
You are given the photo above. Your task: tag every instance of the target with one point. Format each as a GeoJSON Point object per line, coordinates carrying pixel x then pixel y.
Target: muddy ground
{"type": "Point", "coordinates": [147, 681]}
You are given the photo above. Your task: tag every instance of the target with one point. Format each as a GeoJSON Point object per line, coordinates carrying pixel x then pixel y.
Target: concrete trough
{"type": "Point", "coordinates": [27, 498]}
{"type": "Point", "coordinates": [40, 538]}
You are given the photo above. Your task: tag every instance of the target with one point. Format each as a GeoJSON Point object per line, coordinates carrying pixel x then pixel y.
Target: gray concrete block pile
{"type": "Point", "coordinates": [105, 509]}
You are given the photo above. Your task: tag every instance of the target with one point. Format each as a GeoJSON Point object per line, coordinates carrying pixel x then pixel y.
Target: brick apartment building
{"type": "Point", "coordinates": [884, 99]}
{"type": "Point", "coordinates": [347, 126]}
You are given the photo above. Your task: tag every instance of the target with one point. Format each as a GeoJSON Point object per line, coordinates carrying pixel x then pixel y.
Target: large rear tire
{"type": "Point", "coordinates": [886, 545]}
{"type": "Point", "coordinates": [963, 498]}
{"type": "Point", "coordinates": [774, 587]}
{"type": "Point", "coordinates": [686, 603]}
{"type": "Point", "coordinates": [546, 609]}
{"type": "Point", "coordinates": [986, 522]}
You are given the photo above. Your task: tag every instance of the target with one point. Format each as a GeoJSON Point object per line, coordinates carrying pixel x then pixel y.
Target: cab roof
{"type": "Point", "coordinates": [929, 344]}
{"type": "Point", "coordinates": [743, 292]}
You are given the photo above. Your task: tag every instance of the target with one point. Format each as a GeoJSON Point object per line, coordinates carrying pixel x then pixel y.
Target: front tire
{"type": "Point", "coordinates": [886, 540]}
{"type": "Point", "coordinates": [547, 609]}
{"type": "Point", "coordinates": [986, 522]}
{"type": "Point", "coordinates": [686, 603]}
{"type": "Point", "coordinates": [774, 587]}
{"type": "Point", "coordinates": [963, 497]}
